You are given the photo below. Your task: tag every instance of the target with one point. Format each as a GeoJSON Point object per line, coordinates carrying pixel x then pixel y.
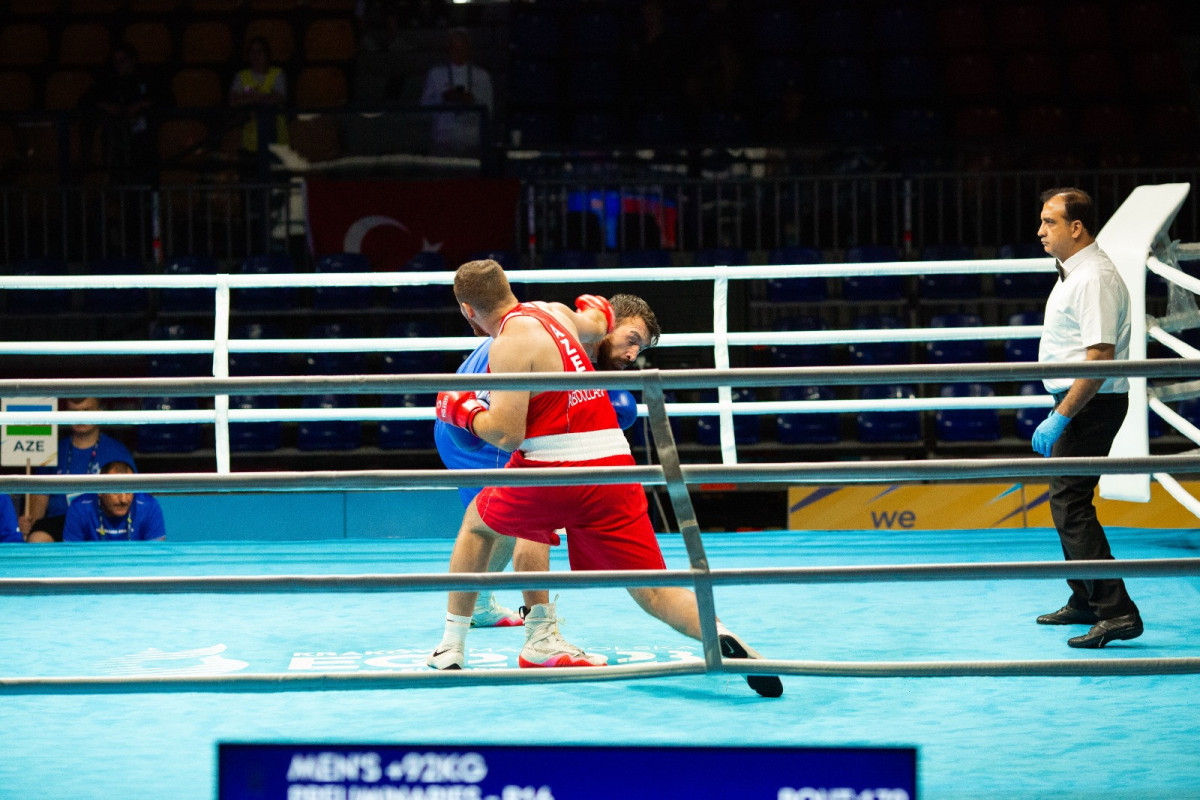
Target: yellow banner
{"type": "Point", "coordinates": [969, 506]}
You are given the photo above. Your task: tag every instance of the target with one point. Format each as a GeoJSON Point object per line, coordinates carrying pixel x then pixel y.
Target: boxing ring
{"type": "Point", "coordinates": [125, 665]}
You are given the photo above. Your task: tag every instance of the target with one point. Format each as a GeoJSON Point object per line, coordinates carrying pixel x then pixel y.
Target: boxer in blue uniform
{"type": "Point", "coordinates": [635, 330]}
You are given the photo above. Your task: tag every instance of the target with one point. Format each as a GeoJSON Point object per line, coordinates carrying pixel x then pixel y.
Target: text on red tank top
{"type": "Point", "coordinates": [575, 411]}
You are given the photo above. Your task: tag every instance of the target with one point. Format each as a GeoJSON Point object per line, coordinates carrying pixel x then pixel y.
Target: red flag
{"type": "Point", "coordinates": [390, 221]}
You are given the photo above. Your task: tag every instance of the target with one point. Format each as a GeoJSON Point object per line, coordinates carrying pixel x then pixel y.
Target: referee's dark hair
{"type": "Point", "coordinates": [1078, 205]}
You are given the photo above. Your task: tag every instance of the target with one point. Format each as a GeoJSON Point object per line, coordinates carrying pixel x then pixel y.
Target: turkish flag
{"type": "Point", "coordinates": [390, 221]}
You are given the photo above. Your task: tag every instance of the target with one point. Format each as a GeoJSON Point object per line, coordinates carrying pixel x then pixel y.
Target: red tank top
{"type": "Point", "coordinates": [555, 412]}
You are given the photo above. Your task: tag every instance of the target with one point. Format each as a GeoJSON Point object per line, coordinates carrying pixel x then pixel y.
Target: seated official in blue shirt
{"type": "Point", "coordinates": [83, 452]}
{"type": "Point", "coordinates": [9, 531]}
{"type": "Point", "coordinates": [114, 517]}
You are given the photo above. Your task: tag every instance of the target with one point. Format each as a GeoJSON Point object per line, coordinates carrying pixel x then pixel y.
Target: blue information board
{"type": "Point", "coordinates": [456, 772]}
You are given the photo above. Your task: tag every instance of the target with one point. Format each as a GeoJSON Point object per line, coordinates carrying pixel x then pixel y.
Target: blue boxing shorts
{"type": "Point", "coordinates": [486, 456]}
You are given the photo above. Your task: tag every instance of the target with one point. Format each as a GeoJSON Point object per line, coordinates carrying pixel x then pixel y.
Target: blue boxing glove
{"type": "Point", "coordinates": [463, 439]}
{"type": "Point", "coordinates": [1048, 432]}
{"type": "Point", "coordinates": [625, 406]}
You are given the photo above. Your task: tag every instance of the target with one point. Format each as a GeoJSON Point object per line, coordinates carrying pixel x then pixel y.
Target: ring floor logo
{"type": "Point", "coordinates": [152, 661]}
{"type": "Point", "coordinates": [212, 660]}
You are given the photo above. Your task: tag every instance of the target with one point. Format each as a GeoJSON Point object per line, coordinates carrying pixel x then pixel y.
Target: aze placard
{"type": "Point", "coordinates": [33, 443]}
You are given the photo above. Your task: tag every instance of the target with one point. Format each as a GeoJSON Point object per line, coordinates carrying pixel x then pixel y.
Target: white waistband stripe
{"type": "Point", "coordinates": [583, 446]}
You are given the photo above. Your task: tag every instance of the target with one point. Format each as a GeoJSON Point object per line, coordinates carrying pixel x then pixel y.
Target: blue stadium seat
{"type": "Point", "coordinates": [854, 125]}
{"type": "Point", "coordinates": [902, 27]}
{"type": "Point", "coordinates": [969, 351]}
{"type": "Point", "coordinates": [640, 430]}
{"type": "Point", "coordinates": [38, 301]}
{"type": "Point", "coordinates": [569, 259]}
{"type": "Point", "coordinates": [844, 79]}
{"type": "Point", "coordinates": [660, 128]}
{"type": "Point", "coordinates": [413, 362]}
{"type": "Point", "coordinates": [879, 352]}
{"type": "Point", "coordinates": [329, 434]}
{"type": "Point", "coordinates": [188, 299]}
{"type": "Point", "coordinates": [596, 32]}
{"type": "Point", "coordinates": [1029, 418]}
{"type": "Point", "coordinates": [777, 29]}
{"type": "Point", "coordinates": [745, 426]}
{"type": "Point", "coordinates": [1023, 349]}
{"type": "Point", "coordinates": [963, 286]}
{"type": "Point", "coordinates": [246, 364]}
{"type": "Point", "coordinates": [534, 83]}
{"type": "Point", "coordinates": [406, 434]}
{"type": "Point", "coordinates": [872, 287]}
{"type": "Point", "coordinates": [888, 426]}
{"type": "Point", "coordinates": [276, 299]}
{"type": "Point", "coordinates": [509, 259]}
{"type": "Point", "coordinates": [534, 33]}
{"type": "Point", "coordinates": [181, 437]}
{"type": "Point", "coordinates": [342, 297]}
{"type": "Point", "coordinates": [429, 296]}
{"type": "Point", "coordinates": [796, 290]}
{"type": "Point", "coordinates": [116, 301]}
{"type": "Point", "coordinates": [532, 129]}
{"type": "Point", "coordinates": [807, 428]}
{"type": "Point", "coordinates": [774, 74]}
{"type": "Point", "coordinates": [597, 129]}
{"type": "Point", "coordinates": [261, 437]}
{"type": "Point", "coordinates": [1024, 285]}
{"type": "Point", "coordinates": [917, 124]}
{"type": "Point", "coordinates": [594, 83]}
{"type": "Point", "coordinates": [333, 362]}
{"type": "Point", "coordinates": [967, 424]}
{"type": "Point", "coordinates": [838, 28]}
{"type": "Point", "coordinates": [644, 258]}
{"type": "Point", "coordinates": [728, 256]}
{"type": "Point", "coordinates": [723, 128]}
{"type": "Point", "coordinates": [180, 365]}
{"type": "Point", "coordinates": [801, 355]}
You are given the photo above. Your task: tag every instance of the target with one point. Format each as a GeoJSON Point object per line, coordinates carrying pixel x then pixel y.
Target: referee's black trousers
{"type": "Point", "coordinates": [1090, 434]}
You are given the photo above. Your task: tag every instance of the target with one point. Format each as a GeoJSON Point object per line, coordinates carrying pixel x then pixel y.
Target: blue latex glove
{"type": "Point", "coordinates": [625, 406]}
{"type": "Point", "coordinates": [1048, 432]}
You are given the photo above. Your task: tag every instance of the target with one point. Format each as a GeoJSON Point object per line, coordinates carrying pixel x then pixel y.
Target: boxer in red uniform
{"type": "Point", "coordinates": [607, 525]}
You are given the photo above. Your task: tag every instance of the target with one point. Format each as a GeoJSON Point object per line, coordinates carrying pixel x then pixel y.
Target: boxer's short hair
{"type": "Point", "coordinates": [629, 306]}
{"type": "Point", "coordinates": [482, 284]}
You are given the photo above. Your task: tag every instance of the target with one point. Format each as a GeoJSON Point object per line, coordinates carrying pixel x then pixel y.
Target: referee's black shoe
{"type": "Point", "coordinates": [1069, 615]}
{"type": "Point", "coordinates": [1110, 630]}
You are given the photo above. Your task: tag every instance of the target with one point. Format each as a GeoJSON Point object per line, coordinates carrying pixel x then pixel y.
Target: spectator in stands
{"type": "Point", "coordinates": [115, 517]}
{"type": "Point", "coordinates": [122, 105]}
{"type": "Point", "coordinates": [259, 88]}
{"type": "Point", "coordinates": [10, 531]}
{"type": "Point", "coordinates": [458, 82]}
{"type": "Point", "coordinates": [82, 452]}
{"type": "Point", "coordinates": [657, 61]}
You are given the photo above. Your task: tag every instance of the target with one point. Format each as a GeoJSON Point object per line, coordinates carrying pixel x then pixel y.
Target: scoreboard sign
{"type": "Point", "coordinates": [34, 443]}
{"type": "Point", "coordinates": [456, 772]}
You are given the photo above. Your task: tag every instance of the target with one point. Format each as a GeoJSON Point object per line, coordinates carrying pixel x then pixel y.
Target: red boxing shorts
{"type": "Point", "coordinates": [607, 526]}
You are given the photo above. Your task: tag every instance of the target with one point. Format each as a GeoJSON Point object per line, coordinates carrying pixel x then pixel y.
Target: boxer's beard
{"type": "Point", "coordinates": [605, 360]}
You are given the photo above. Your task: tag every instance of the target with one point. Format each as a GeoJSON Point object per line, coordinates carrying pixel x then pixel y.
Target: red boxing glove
{"type": "Point", "coordinates": [459, 409]}
{"type": "Point", "coordinates": [586, 301]}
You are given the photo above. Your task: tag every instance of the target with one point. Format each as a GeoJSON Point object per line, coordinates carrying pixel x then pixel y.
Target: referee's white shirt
{"type": "Point", "coordinates": [1089, 306]}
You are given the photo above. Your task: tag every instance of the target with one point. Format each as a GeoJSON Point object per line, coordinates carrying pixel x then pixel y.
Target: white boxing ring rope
{"type": "Point", "coordinates": [1165, 199]}
{"type": "Point", "coordinates": [675, 475]}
